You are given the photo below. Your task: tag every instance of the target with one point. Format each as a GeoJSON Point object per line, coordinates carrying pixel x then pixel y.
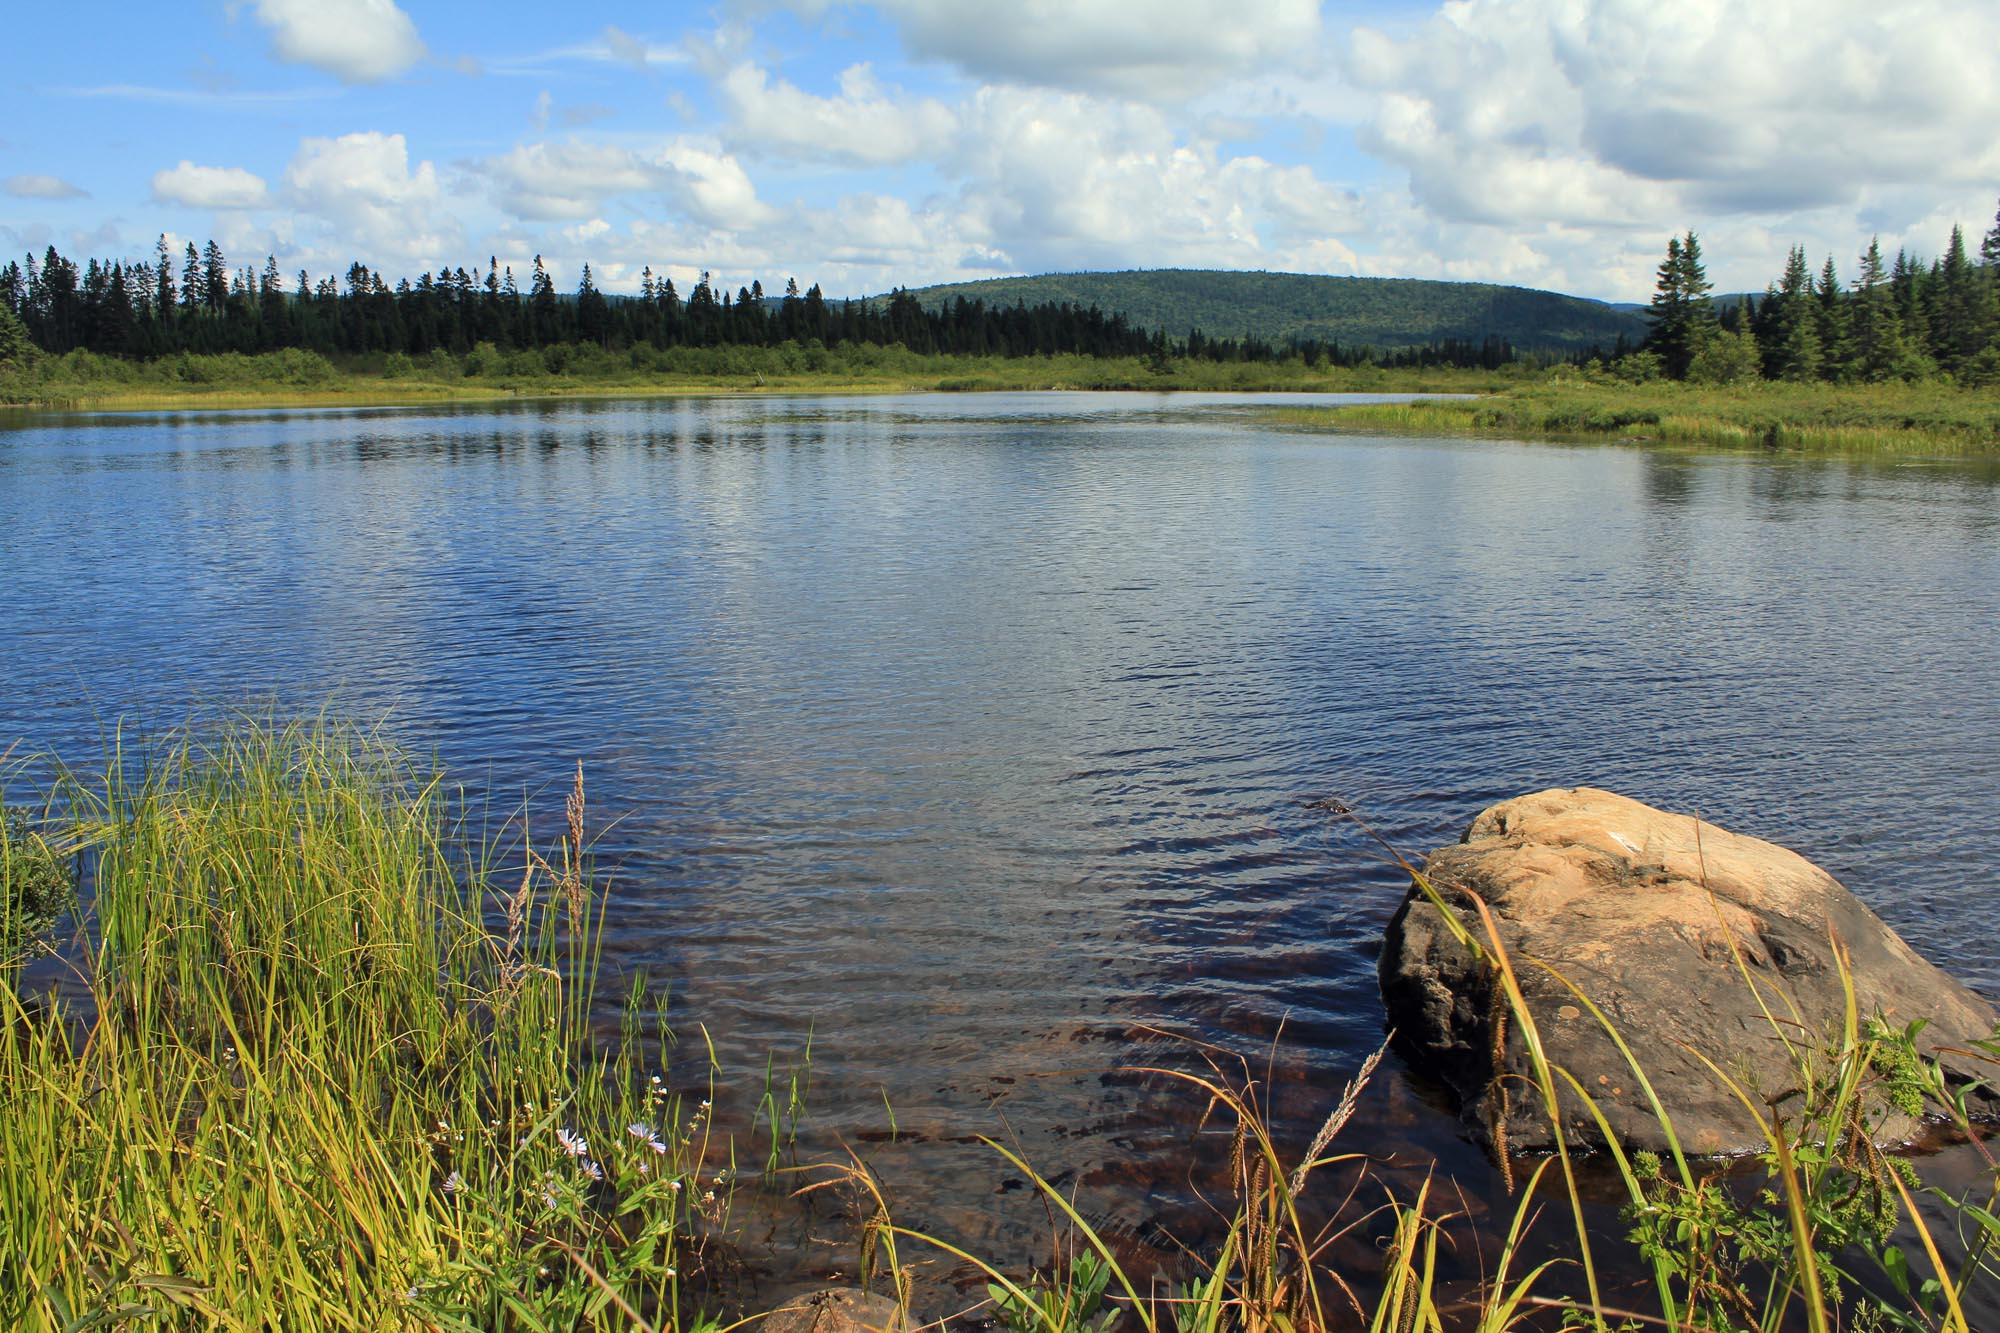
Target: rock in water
{"type": "Point", "coordinates": [1657, 918]}
{"type": "Point", "coordinates": [837, 1310]}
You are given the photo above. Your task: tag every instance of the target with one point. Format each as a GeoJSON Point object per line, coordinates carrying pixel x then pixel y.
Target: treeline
{"type": "Point", "coordinates": [1898, 319]}
{"type": "Point", "coordinates": [203, 305]}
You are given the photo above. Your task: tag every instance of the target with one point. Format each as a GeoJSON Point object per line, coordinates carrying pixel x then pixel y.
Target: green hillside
{"type": "Point", "coordinates": [1378, 312]}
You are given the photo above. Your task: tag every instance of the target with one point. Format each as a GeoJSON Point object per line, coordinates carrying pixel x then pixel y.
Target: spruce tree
{"type": "Point", "coordinates": [1960, 326]}
{"type": "Point", "coordinates": [214, 277]}
{"type": "Point", "coordinates": [16, 348]}
{"type": "Point", "coordinates": [1681, 312]}
{"type": "Point", "coordinates": [163, 284]}
{"type": "Point", "coordinates": [546, 315]}
{"type": "Point", "coordinates": [1830, 320]}
{"type": "Point", "coordinates": [593, 312]}
{"type": "Point", "coordinates": [1878, 346]}
{"type": "Point", "coordinates": [191, 285]}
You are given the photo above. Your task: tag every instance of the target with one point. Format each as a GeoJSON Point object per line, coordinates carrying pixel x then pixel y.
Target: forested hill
{"type": "Point", "coordinates": [1278, 307]}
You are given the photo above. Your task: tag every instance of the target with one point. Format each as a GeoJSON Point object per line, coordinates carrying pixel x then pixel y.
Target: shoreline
{"type": "Point", "coordinates": [1900, 420]}
{"type": "Point", "coordinates": [242, 382]}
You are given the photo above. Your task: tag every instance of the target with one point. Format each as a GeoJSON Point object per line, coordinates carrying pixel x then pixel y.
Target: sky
{"type": "Point", "coordinates": [1546, 143]}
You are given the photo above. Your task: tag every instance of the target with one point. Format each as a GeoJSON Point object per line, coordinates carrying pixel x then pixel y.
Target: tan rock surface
{"type": "Point", "coordinates": [836, 1310]}
{"type": "Point", "coordinates": [1657, 918]}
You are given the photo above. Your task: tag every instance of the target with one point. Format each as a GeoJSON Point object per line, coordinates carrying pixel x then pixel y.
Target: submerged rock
{"type": "Point", "coordinates": [837, 1310]}
{"type": "Point", "coordinates": [1665, 923]}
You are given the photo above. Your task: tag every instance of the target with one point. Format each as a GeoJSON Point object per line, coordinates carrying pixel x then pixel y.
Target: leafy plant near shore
{"type": "Point", "coordinates": [312, 1089]}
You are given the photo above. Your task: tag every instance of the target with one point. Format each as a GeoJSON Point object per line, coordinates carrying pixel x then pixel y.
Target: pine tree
{"type": "Point", "coordinates": [1960, 318]}
{"type": "Point", "coordinates": [1878, 348]}
{"type": "Point", "coordinates": [113, 331]}
{"type": "Point", "coordinates": [214, 277]}
{"type": "Point", "coordinates": [1681, 312]}
{"type": "Point", "coordinates": [191, 285]}
{"type": "Point", "coordinates": [163, 283]}
{"type": "Point", "coordinates": [16, 348]}
{"type": "Point", "coordinates": [1830, 320]}
{"type": "Point", "coordinates": [1793, 350]}
{"type": "Point", "coordinates": [544, 312]}
{"type": "Point", "coordinates": [593, 312]}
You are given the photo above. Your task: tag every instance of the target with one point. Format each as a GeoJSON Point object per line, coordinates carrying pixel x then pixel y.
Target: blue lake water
{"type": "Point", "coordinates": [974, 734]}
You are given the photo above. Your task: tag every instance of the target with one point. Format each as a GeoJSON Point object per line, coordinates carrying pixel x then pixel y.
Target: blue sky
{"type": "Point", "coordinates": [1551, 143]}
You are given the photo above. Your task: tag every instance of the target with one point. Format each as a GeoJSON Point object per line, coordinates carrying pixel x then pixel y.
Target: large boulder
{"type": "Point", "coordinates": [1658, 918]}
{"type": "Point", "coordinates": [837, 1310]}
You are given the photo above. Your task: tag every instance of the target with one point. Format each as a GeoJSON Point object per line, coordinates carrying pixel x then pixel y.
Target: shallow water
{"type": "Point", "coordinates": [974, 734]}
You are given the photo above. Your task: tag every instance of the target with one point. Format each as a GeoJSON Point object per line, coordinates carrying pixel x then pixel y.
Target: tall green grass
{"type": "Point", "coordinates": [1928, 418]}
{"type": "Point", "coordinates": [305, 1084]}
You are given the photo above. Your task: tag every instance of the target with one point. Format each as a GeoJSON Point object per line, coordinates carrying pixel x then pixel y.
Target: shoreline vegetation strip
{"type": "Point", "coordinates": [335, 1069]}
{"type": "Point", "coordinates": [1935, 419]}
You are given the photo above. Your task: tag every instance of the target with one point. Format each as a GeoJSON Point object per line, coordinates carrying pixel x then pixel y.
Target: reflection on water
{"type": "Point", "coordinates": [974, 734]}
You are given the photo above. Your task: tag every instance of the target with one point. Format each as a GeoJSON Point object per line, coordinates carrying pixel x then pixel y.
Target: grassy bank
{"type": "Point", "coordinates": [1932, 419]}
{"type": "Point", "coordinates": [81, 380]}
{"type": "Point", "coordinates": [327, 1068]}
{"type": "Point", "coordinates": [308, 1087]}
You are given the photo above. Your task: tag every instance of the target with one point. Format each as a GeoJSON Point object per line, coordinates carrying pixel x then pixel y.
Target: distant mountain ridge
{"type": "Point", "coordinates": [1276, 307]}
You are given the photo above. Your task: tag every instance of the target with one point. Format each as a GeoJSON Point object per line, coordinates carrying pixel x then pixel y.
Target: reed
{"type": "Point", "coordinates": [307, 1086]}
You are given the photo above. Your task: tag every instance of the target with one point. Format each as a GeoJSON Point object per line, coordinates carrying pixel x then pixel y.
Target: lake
{"type": "Point", "coordinates": [974, 735]}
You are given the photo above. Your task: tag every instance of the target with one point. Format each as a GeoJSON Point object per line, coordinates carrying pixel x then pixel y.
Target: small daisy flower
{"type": "Point", "coordinates": [454, 1183]}
{"type": "Point", "coordinates": [592, 1169]}
{"type": "Point", "coordinates": [572, 1143]}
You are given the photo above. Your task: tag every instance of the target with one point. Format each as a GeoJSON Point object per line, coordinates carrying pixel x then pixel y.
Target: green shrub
{"type": "Point", "coordinates": [483, 359]}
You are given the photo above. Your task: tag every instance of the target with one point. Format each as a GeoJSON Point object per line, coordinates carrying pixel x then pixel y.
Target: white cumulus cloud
{"type": "Point", "coordinates": [363, 187]}
{"type": "Point", "coordinates": [694, 177]}
{"type": "Point", "coordinates": [195, 186]}
{"type": "Point", "coordinates": [356, 41]}
{"type": "Point", "coordinates": [863, 125]}
{"type": "Point", "coordinates": [563, 181]}
{"type": "Point", "coordinates": [710, 185]}
{"type": "Point", "coordinates": [1628, 111]}
{"type": "Point", "coordinates": [1062, 180]}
